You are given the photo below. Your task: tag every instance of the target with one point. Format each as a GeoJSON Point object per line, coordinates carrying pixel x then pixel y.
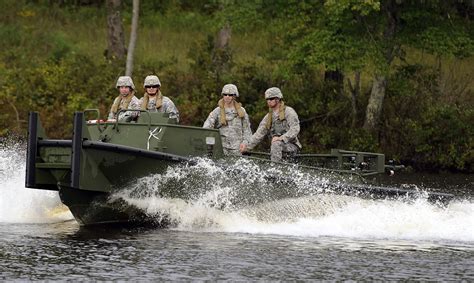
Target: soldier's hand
{"type": "Point", "coordinates": [243, 147]}
{"type": "Point", "coordinates": [275, 139]}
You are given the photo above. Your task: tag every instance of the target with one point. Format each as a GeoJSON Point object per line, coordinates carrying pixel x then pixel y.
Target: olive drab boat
{"type": "Point", "coordinates": [102, 156]}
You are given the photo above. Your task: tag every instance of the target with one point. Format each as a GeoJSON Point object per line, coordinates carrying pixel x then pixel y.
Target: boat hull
{"type": "Point", "coordinates": [97, 208]}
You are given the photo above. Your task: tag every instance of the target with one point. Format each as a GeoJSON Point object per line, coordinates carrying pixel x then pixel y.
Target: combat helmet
{"type": "Point", "coordinates": [273, 92]}
{"type": "Point", "coordinates": [151, 80]}
{"type": "Point", "coordinates": [125, 81]}
{"type": "Point", "coordinates": [230, 89]}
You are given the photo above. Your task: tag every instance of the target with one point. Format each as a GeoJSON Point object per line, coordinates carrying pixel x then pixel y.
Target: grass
{"type": "Point", "coordinates": [36, 31]}
{"type": "Point", "coordinates": [165, 41]}
{"type": "Point", "coordinates": [167, 38]}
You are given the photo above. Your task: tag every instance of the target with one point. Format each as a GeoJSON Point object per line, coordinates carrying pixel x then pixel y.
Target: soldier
{"type": "Point", "coordinates": [125, 100]}
{"type": "Point", "coordinates": [154, 101]}
{"type": "Point", "coordinates": [281, 123]}
{"type": "Point", "coordinates": [231, 120]}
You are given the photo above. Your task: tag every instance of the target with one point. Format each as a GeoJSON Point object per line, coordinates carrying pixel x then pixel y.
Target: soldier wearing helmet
{"type": "Point", "coordinates": [125, 100]}
{"type": "Point", "coordinates": [154, 101]}
{"type": "Point", "coordinates": [231, 119]}
{"type": "Point", "coordinates": [281, 123]}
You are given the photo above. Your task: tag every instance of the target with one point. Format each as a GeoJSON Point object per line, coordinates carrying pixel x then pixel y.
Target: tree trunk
{"type": "Point", "coordinates": [355, 90]}
{"type": "Point", "coordinates": [222, 54]}
{"type": "Point", "coordinates": [374, 107]}
{"type": "Point", "coordinates": [115, 37]}
{"type": "Point", "coordinates": [223, 37]}
{"type": "Point", "coordinates": [133, 38]}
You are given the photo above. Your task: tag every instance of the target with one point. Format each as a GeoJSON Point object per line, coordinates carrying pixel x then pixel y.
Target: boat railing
{"type": "Point", "coordinates": [366, 163]}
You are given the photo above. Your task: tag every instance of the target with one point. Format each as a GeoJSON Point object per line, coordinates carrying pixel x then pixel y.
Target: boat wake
{"type": "Point", "coordinates": [246, 198]}
{"type": "Point", "coordinates": [19, 204]}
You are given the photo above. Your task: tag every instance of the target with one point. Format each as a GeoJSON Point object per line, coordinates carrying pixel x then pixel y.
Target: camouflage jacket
{"type": "Point", "coordinates": [126, 116]}
{"type": "Point", "coordinates": [235, 132]}
{"type": "Point", "coordinates": [290, 126]}
{"type": "Point", "coordinates": [166, 107]}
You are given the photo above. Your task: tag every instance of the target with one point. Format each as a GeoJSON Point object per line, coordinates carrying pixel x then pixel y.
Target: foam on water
{"type": "Point", "coordinates": [245, 198]}
{"type": "Point", "coordinates": [217, 203]}
{"type": "Point", "coordinates": [19, 204]}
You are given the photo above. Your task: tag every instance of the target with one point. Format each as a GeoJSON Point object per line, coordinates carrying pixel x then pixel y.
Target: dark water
{"type": "Point", "coordinates": [63, 251]}
{"type": "Point", "coordinates": [460, 184]}
{"type": "Point", "coordinates": [311, 237]}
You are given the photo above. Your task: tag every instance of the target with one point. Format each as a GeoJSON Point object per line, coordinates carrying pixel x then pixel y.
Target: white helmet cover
{"type": "Point", "coordinates": [125, 81]}
{"type": "Point", "coordinates": [273, 92]}
{"type": "Point", "coordinates": [151, 80]}
{"type": "Point", "coordinates": [230, 89]}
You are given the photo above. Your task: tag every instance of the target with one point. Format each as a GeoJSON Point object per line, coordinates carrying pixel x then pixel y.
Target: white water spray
{"type": "Point", "coordinates": [22, 205]}
{"type": "Point", "coordinates": [212, 197]}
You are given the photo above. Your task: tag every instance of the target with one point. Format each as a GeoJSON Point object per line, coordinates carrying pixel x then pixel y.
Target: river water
{"type": "Point", "coordinates": [325, 237]}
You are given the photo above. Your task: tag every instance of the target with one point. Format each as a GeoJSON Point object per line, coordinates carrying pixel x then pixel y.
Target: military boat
{"type": "Point", "coordinates": [103, 156]}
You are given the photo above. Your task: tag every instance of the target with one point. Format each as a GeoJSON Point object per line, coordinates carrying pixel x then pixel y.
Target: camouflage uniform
{"type": "Point", "coordinates": [166, 107]}
{"type": "Point", "coordinates": [121, 102]}
{"type": "Point", "coordinates": [237, 129]}
{"type": "Point", "coordinates": [287, 128]}
{"type": "Point", "coordinates": [234, 133]}
{"type": "Point", "coordinates": [166, 104]}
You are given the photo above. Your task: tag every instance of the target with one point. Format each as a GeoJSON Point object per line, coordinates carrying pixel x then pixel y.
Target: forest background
{"type": "Point", "coordinates": [392, 76]}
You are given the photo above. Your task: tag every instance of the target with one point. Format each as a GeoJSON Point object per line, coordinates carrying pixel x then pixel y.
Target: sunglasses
{"type": "Point", "coordinates": [228, 94]}
{"type": "Point", "coordinates": [152, 86]}
{"type": "Point", "coordinates": [272, 98]}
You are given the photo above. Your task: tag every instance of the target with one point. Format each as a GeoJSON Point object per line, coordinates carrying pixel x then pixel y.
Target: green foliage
{"type": "Point", "coordinates": [60, 46]}
{"type": "Point", "coordinates": [434, 30]}
{"type": "Point", "coordinates": [58, 88]}
{"type": "Point", "coordinates": [423, 129]}
{"type": "Point", "coordinates": [339, 40]}
{"type": "Point", "coordinates": [443, 137]}
{"type": "Point", "coordinates": [447, 42]}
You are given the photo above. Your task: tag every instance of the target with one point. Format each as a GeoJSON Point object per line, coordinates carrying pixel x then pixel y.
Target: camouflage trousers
{"type": "Point", "coordinates": [279, 147]}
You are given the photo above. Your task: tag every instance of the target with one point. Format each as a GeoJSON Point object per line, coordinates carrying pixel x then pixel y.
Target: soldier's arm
{"type": "Point", "coordinates": [128, 115]}
{"type": "Point", "coordinates": [171, 109]}
{"type": "Point", "coordinates": [134, 104]}
{"type": "Point", "coordinates": [247, 131]}
{"type": "Point", "coordinates": [261, 132]}
{"type": "Point", "coordinates": [211, 119]}
{"type": "Point", "coordinates": [294, 124]}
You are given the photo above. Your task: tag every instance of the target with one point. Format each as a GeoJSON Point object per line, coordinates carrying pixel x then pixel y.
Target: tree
{"type": "Point", "coordinates": [354, 37]}
{"type": "Point", "coordinates": [387, 45]}
{"type": "Point", "coordinates": [222, 54]}
{"type": "Point", "coordinates": [133, 38]}
{"type": "Point", "coordinates": [115, 35]}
